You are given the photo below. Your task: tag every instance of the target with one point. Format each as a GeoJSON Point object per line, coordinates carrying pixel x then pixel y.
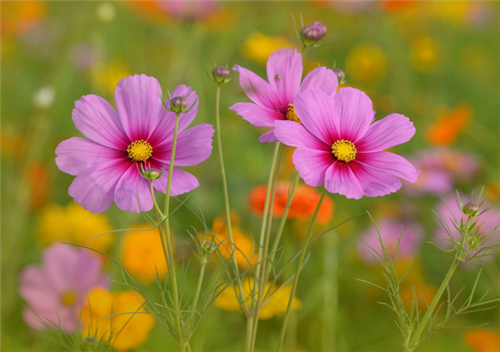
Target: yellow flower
{"type": "Point", "coordinates": [74, 224]}
{"type": "Point", "coordinates": [127, 331]}
{"type": "Point", "coordinates": [368, 62]}
{"type": "Point", "coordinates": [259, 46]}
{"type": "Point", "coordinates": [142, 252]}
{"type": "Point", "coordinates": [449, 125]}
{"type": "Point", "coordinates": [106, 77]}
{"type": "Point", "coordinates": [424, 53]}
{"type": "Point", "coordinates": [245, 247]}
{"type": "Point", "coordinates": [274, 305]}
{"type": "Point", "coordinates": [483, 340]}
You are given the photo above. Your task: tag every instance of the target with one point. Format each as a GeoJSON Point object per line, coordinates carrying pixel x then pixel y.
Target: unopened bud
{"type": "Point", "coordinates": [210, 247]}
{"type": "Point", "coordinates": [178, 104]}
{"type": "Point", "coordinates": [470, 209]}
{"type": "Point", "coordinates": [220, 74]}
{"type": "Point", "coordinates": [151, 174]}
{"type": "Point", "coordinates": [340, 75]}
{"type": "Point", "coordinates": [313, 33]}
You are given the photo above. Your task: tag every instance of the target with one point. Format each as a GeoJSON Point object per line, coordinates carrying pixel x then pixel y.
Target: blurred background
{"type": "Point", "coordinates": [436, 62]}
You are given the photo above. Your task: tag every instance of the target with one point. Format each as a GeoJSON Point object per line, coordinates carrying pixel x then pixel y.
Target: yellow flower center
{"type": "Point", "coordinates": [139, 150]}
{"type": "Point", "coordinates": [291, 115]}
{"type": "Point", "coordinates": [344, 150]}
{"type": "Point", "coordinates": [69, 298]}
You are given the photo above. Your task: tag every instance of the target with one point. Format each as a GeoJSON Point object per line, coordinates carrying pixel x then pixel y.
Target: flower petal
{"type": "Point", "coordinates": [132, 192]}
{"type": "Point", "coordinates": [77, 154]}
{"type": "Point", "coordinates": [258, 90]}
{"type": "Point", "coordinates": [391, 163]}
{"type": "Point", "coordinates": [62, 317]}
{"type": "Point", "coordinates": [374, 182]}
{"type": "Point", "coordinates": [312, 165]}
{"type": "Point", "coordinates": [268, 137]}
{"type": "Point", "coordinates": [295, 135]}
{"type": "Point", "coordinates": [355, 111]}
{"type": "Point", "coordinates": [318, 114]}
{"type": "Point", "coordinates": [138, 101]}
{"type": "Point", "coordinates": [59, 264]}
{"type": "Point", "coordinates": [94, 188]}
{"type": "Point", "coordinates": [392, 130]}
{"type": "Point", "coordinates": [194, 145]}
{"type": "Point", "coordinates": [96, 119]}
{"type": "Point", "coordinates": [321, 78]}
{"type": "Point", "coordinates": [340, 179]}
{"type": "Point", "coordinates": [36, 290]}
{"type": "Point", "coordinates": [284, 72]}
{"type": "Point", "coordinates": [182, 182]}
{"type": "Point", "coordinates": [257, 115]}
{"type": "Point", "coordinates": [164, 130]}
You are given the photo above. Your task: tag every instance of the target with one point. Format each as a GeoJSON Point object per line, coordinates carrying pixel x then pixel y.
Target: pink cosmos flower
{"type": "Point", "coordinates": [105, 164]}
{"type": "Point", "coordinates": [338, 144]}
{"type": "Point", "coordinates": [189, 10]}
{"type": "Point", "coordinates": [411, 240]}
{"type": "Point", "coordinates": [57, 290]}
{"type": "Point", "coordinates": [274, 101]}
{"type": "Point", "coordinates": [486, 222]}
{"type": "Point", "coordinates": [441, 167]}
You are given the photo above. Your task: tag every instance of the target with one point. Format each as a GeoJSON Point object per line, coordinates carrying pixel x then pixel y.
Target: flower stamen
{"type": "Point", "coordinates": [344, 150]}
{"type": "Point", "coordinates": [69, 298]}
{"type": "Point", "coordinates": [139, 150]}
{"type": "Point", "coordinates": [291, 115]}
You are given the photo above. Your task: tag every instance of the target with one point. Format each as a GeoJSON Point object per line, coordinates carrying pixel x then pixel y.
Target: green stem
{"type": "Point", "coordinates": [248, 340]}
{"type": "Point", "coordinates": [264, 271]}
{"type": "Point", "coordinates": [330, 292]}
{"type": "Point", "coordinates": [204, 262]}
{"type": "Point", "coordinates": [415, 340]}
{"type": "Point", "coordinates": [297, 273]}
{"type": "Point", "coordinates": [226, 197]}
{"type": "Point", "coordinates": [264, 241]}
{"type": "Point", "coordinates": [170, 252]}
{"type": "Point", "coordinates": [282, 223]}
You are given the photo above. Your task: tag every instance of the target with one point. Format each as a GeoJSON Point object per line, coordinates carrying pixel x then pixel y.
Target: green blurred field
{"type": "Point", "coordinates": [412, 60]}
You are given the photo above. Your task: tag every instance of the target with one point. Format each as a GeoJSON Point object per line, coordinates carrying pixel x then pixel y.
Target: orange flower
{"type": "Point", "coordinates": [40, 186]}
{"type": "Point", "coordinates": [483, 340]}
{"type": "Point", "coordinates": [245, 247]}
{"type": "Point", "coordinates": [397, 5]}
{"type": "Point", "coordinates": [303, 204]}
{"type": "Point", "coordinates": [20, 16]}
{"type": "Point", "coordinates": [142, 254]}
{"type": "Point", "coordinates": [425, 295]}
{"type": "Point", "coordinates": [449, 125]}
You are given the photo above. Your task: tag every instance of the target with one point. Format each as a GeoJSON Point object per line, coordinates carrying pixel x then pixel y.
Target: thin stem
{"type": "Point", "coordinates": [297, 273]}
{"type": "Point", "coordinates": [263, 274]}
{"type": "Point", "coordinates": [248, 345]}
{"type": "Point", "coordinates": [415, 340]}
{"type": "Point", "coordinates": [226, 197]}
{"type": "Point", "coordinates": [170, 258]}
{"type": "Point", "coordinates": [282, 223]}
{"type": "Point", "coordinates": [204, 262]}
{"type": "Point", "coordinates": [330, 292]}
{"type": "Point", "coordinates": [263, 239]}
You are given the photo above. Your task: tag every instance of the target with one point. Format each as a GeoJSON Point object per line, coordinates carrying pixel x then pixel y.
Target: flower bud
{"type": "Point", "coordinates": [340, 75]}
{"type": "Point", "coordinates": [210, 247]}
{"type": "Point", "coordinates": [470, 209]}
{"type": "Point", "coordinates": [313, 33]}
{"type": "Point", "coordinates": [151, 174]}
{"type": "Point", "coordinates": [220, 74]}
{"type": "Point", "coordinates": [178, 104]}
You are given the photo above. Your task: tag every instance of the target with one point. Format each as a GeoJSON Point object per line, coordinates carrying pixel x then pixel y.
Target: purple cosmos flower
{"type": "Point", "coordinates": [486, 222]}
{"type": "Point", "coordinates": [411, 240]}
{"type": "Point", "coordinates": [441, 167]}
{"type": "Point", "coordinates": [274, 101]}
{"type": "Point", "coordinates": [337, 144]}
{"type": "Point", "coordinates": [189, 10]}
{"type": "Point", "coordinates": [105, 164]}
{"type": "Point", "coordinates": [57, 290]}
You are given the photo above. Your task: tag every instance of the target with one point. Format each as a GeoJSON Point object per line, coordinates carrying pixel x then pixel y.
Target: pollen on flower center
{"type": "Point", "coordinates": [139, 150]}
{"type": "Point", "coordinates": [344, 150]}
{"type": "Point", "coordinates": [69, 298]}
{"type": "Point", "coordinates": [291, 115]}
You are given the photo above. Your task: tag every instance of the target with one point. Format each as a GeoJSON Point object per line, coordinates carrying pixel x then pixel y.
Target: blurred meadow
{"type": "Point", "coordinates": [436, 62]}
